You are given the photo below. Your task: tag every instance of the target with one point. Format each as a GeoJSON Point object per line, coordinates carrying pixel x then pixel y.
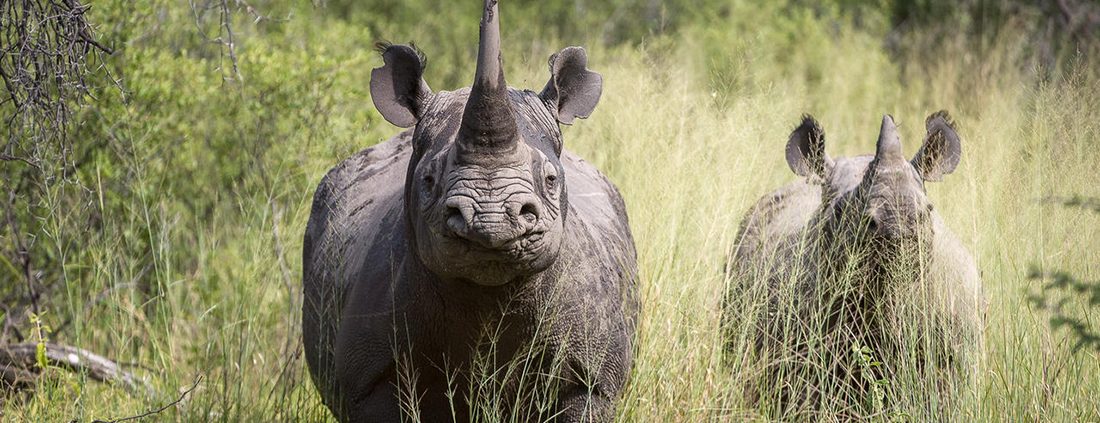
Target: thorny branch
{"type": "Point", "coordinates": [46, 48]}
{"type": "Point", "coordinates": [44, 51]}
{"type": "Point", "coordinates": [226, 37]}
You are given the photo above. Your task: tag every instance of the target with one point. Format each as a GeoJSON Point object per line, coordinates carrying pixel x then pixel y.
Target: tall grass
{"type": "Point", "coordinates": [197, 277]}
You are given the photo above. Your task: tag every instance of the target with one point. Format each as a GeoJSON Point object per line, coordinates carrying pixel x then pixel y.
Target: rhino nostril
{"type": "Point", "coordinates": [872, 225]}
{"type": "Point", "coordinates": [529, 211]}
{"type": "Point", "coordinates": [455, 219]}
{"type": "Point", "coordinates": [455, 222]}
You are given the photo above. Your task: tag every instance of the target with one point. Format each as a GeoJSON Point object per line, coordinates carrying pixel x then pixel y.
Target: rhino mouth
{"type": "Point", "coordinates": [517, 249]}
{"type": "Point", "coordinates": [493, 265]}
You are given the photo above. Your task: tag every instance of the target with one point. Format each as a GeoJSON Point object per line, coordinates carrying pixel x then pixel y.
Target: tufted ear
{"type": "Point", "coordinates": [942, 149]}
{"type": "Point", "coordinates": [806, 149]}
{"type": "Point", "coordinates": [398, 88]}
{"type": "Point", "coordinates": [573, 90]}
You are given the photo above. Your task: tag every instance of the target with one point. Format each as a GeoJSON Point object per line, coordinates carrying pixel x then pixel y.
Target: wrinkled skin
{"type": "Point", "coordinates": [853, 237]}
{"type": "Point", "coordinates": [470, 252]}
{"type": "Point", "coordinates": [490, 224]}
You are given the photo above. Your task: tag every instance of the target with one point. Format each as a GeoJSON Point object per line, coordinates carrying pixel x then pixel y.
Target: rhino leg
{"type": "Point", "coordinates": [582, 405]}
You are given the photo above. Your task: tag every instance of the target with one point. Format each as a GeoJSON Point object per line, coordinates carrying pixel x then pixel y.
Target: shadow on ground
{"type": "Point", "coordinates": [1060, 291]}
{"type": "Point", "coordinates": [1091, 204]}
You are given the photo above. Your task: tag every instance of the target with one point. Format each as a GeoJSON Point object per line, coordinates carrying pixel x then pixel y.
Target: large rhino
{"type": "Point", "coordinates": [470, 267]}
{"type": "Point", "coordinates": [851, 266]}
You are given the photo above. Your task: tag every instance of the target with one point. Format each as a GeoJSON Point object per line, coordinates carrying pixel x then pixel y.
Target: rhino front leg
{"type": "Point", "coordinates": [380, 406]}
{"type": "Point", "coordinates": [585, 404]}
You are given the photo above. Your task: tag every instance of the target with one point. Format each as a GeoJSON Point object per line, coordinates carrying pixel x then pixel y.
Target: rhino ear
{"type": "Point", "coordinates": [398, 88]}
{"type": "Point", "coordinates": [941, 151]}
{"type": "Point", "coordinates": [806, 149]}
{"type": "Point", "coordinates": [573, 90]}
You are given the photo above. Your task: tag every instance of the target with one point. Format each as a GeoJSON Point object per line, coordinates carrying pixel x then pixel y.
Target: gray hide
{"type": "Point", "coordinates": [835, 251]}
{"type": "Point", "coordinates": [471, 257]}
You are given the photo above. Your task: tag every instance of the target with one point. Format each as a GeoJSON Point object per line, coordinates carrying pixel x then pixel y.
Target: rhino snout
{"type": "Point", "coordinates": [900, 224]}
{"type": "Point", "coordinates": [492, 224]}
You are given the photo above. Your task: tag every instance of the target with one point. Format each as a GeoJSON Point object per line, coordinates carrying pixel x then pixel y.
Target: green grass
{"type": "Point", "coordinates": [192, 270]}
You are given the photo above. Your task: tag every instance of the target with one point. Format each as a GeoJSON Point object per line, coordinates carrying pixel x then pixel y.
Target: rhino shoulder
{"type": "Point", "coordinates": [357, 188]}
{"type": "Point", "coordinates": [598, 206]}
{"type": "Point", "coordinates": [778, 217]}
{"type": "Point", "coordinates": [590, 190]}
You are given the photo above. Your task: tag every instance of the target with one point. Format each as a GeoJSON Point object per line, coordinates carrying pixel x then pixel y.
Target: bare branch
{"type": "Point", "coordinates": [7, 158]}
{"type": "Point", "coordinates": [157, 411]}
{"type": "Point", "coordinates": [22, 252]}
{"type": "Point", "coordinates": [231, 46]}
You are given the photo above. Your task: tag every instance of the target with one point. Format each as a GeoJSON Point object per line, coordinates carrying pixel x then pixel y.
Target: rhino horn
{"type": "Point", "coordinates": [889, 143]}
{"type": "Point", "coordinates": [488, 131]}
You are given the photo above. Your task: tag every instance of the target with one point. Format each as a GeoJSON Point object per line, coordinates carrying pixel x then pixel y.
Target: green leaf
{"type": "Point", "coordinates": [40, 354]}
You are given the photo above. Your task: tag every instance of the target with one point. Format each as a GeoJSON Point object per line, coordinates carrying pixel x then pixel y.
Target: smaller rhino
{"type": "Point", "coordinates": [857, 267]}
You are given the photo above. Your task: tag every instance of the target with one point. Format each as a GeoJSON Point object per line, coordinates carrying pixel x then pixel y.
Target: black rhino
{"type": "Point", "coordinates": [471, 256]}
{"type": "Point", "coordinates": [854, 263]}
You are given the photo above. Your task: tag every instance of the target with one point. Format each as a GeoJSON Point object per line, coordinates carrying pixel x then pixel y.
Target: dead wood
{"type": "Point", "coordinates": [19, 367]}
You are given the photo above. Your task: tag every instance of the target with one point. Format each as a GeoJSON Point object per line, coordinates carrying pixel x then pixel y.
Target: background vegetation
{"type": "Point", "coordinates": [161, 224]}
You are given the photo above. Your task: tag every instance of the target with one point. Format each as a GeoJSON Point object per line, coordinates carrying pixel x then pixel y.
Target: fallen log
{"type": "Point", "coordinates": [19, 367]}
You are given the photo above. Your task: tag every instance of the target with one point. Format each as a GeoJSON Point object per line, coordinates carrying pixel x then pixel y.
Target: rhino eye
{"type": "Point", "coordinates": [551, 181]}
{"type": "Point", "coordinates": [427, 187]}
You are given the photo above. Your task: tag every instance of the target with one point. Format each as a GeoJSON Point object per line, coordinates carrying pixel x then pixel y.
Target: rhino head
{"type": "Point", "coordinates": [485, 194]}
{"type": "Point", "coordinates": [877, 200]}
